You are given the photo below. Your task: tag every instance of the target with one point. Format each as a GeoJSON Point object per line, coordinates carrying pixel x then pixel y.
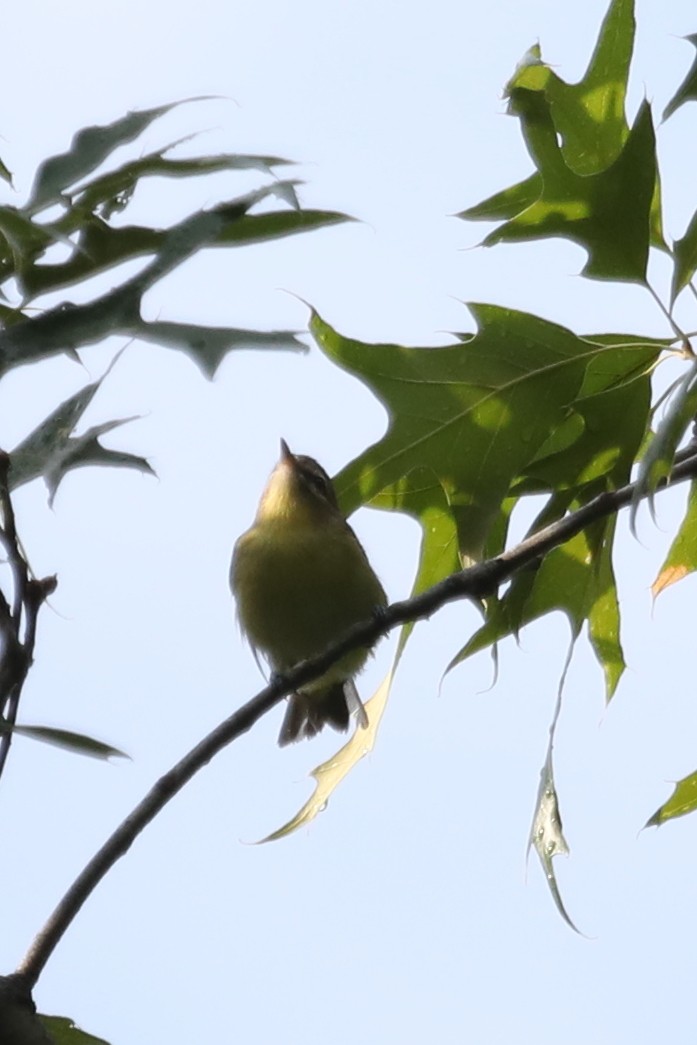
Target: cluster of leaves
{"type": "Point", "coordinates": [76, 208]}
{"type": "Point", "coordinates": [74, 227]}
{"type": "Point", "coordinates": [78, 205]}
{"type": "Point", "coordinates": [521, 407]}
{"type": "Point", "coordinates": [526, 407]}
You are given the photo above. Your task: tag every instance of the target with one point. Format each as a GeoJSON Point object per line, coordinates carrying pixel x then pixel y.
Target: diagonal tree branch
{"type": "Point", "coordinates": [475, 582]}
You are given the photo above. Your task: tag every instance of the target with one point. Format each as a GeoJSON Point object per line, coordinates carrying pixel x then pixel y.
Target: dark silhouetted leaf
{"type": "Point", "coordinates": [99, 248]}
{"type": "Point", "coordinates": [89, 148]}
{"type": "Point", "coordinates": [10, 316]}
{"type": "Point", "coordinates": [208, 346]}
{"type": "Point", "coordinates": [78, 743]}
{"type": "Point", "coordinates": [85, 450]}
{"type": "Point", "coordinates": [657, 461]}
{"type": "Point", "coordinates": [5, 174]}
{"type": "Point", "coordinates": [69, 327]}
{"type": "Point", "coordinates": [31, 458]}
{"type": "Point", "coordinates": [51, 450]}
{"type": "Point", "coordinates": [259, 228]}
{"type": "Point", "coordinates": [24, 241]}
{"type": "Point", "coordinates": [107, 190]}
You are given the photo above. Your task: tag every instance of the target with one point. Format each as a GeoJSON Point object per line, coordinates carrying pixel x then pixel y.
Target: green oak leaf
{"type": "Point", "coordinates": [577, 131]}
{"type": "Point", "coordinates": [208, 346]}
{"type": "Point", "coordinates": [687, 91]}
{"type": "Point", "coordinates": [608, 213]}
{"type": "Point", "coordinates": [474, 414]}
{"type": "Point", "coordinates": [64, 1032]}
{"type": "Point", "coordinates": [601, 458]}
{"type": "Point", "coordinates": [682, 801]}
{"type": "Point", "coordinates": [589, 453]}
{"type": "Point", "coordinates": [420, 495]}
{"type": "Point", "coordinates": [506, 203]}
{"type": "Point", "coordinates": [460, 450]}
{"type": "Point", "coordinates": [685, 259]}
{"type": "Point", "coordinates": [617, 384]}
{"type": "Point", "coordinates": [589, 115]}
{"type": "Point", "coordinates": [681, 559]}
{"type": "Point", "coordinates": [576, 579]}
{"type": "Point", "coordinates": [477, 414]}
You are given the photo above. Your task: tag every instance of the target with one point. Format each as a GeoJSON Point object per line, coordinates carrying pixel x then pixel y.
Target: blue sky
{"type": "Point", "coordinates": [403, 913]}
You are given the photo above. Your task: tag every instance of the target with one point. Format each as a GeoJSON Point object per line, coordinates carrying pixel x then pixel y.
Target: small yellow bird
{"type": "Point", "coordinates": [301, 580]}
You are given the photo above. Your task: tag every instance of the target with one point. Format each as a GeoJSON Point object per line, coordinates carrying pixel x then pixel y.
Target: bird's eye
{"type": "Point", "coordinates": [318, 482]}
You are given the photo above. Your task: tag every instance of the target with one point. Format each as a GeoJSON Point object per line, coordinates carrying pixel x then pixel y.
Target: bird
{"type": "Point", "coordinates": [301, 579]}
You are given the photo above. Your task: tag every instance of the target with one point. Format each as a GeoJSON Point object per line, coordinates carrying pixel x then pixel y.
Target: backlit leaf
{"type": "Point", "coordinates": [608, 213]}
{"type": "Point", "coordinates": [687, 91]}
{"type": "Point", "coordinates": [64, 1032]}
{"type": "Point", "coordinates": [329, 774]}
{"type": "Point", "coordinates": [685, 259]}
{"type": "Point", "coordinates": [681, 560]}
{"type": "Point", "coordinates": [682, 801]}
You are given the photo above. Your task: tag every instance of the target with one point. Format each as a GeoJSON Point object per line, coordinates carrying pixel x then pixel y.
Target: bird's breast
{"type": "Point", "coordinates": [299, 590]}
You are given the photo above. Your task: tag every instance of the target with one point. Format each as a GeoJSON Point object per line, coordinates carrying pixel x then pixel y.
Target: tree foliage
{"type": "Point", "coordinates": [78, 209]}
{"type": "Point", "coordinates": [518, 408]}
{"type": "Point", "coordinates": [72, 228]}
{"type": "Point", "coordinates": [525, 408]}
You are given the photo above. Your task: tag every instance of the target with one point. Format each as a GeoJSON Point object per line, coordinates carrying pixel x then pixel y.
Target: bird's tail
{"type": "Point", "coordinates": [308, 713]}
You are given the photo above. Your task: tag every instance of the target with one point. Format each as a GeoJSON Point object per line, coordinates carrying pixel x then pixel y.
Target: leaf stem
{"type": "Point", "coordinates": [686, 347]}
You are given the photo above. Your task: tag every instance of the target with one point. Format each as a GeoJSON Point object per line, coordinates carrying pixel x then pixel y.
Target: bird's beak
{"type": "Point", "coordinates": [287, 458]}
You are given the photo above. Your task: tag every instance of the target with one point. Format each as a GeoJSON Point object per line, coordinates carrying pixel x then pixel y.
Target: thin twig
{"type": "Point", "coordinates": [477, 581]}
{"type": "Point", "coordinates": [680, 334]}
{"type": "Point", "coordinates": [8, 534]}
{"type": "Point", "coordinates": [17, 622]}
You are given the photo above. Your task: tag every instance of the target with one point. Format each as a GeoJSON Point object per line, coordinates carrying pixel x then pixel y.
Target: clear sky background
{"type": "Point", "coordinates": [402, 914]}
